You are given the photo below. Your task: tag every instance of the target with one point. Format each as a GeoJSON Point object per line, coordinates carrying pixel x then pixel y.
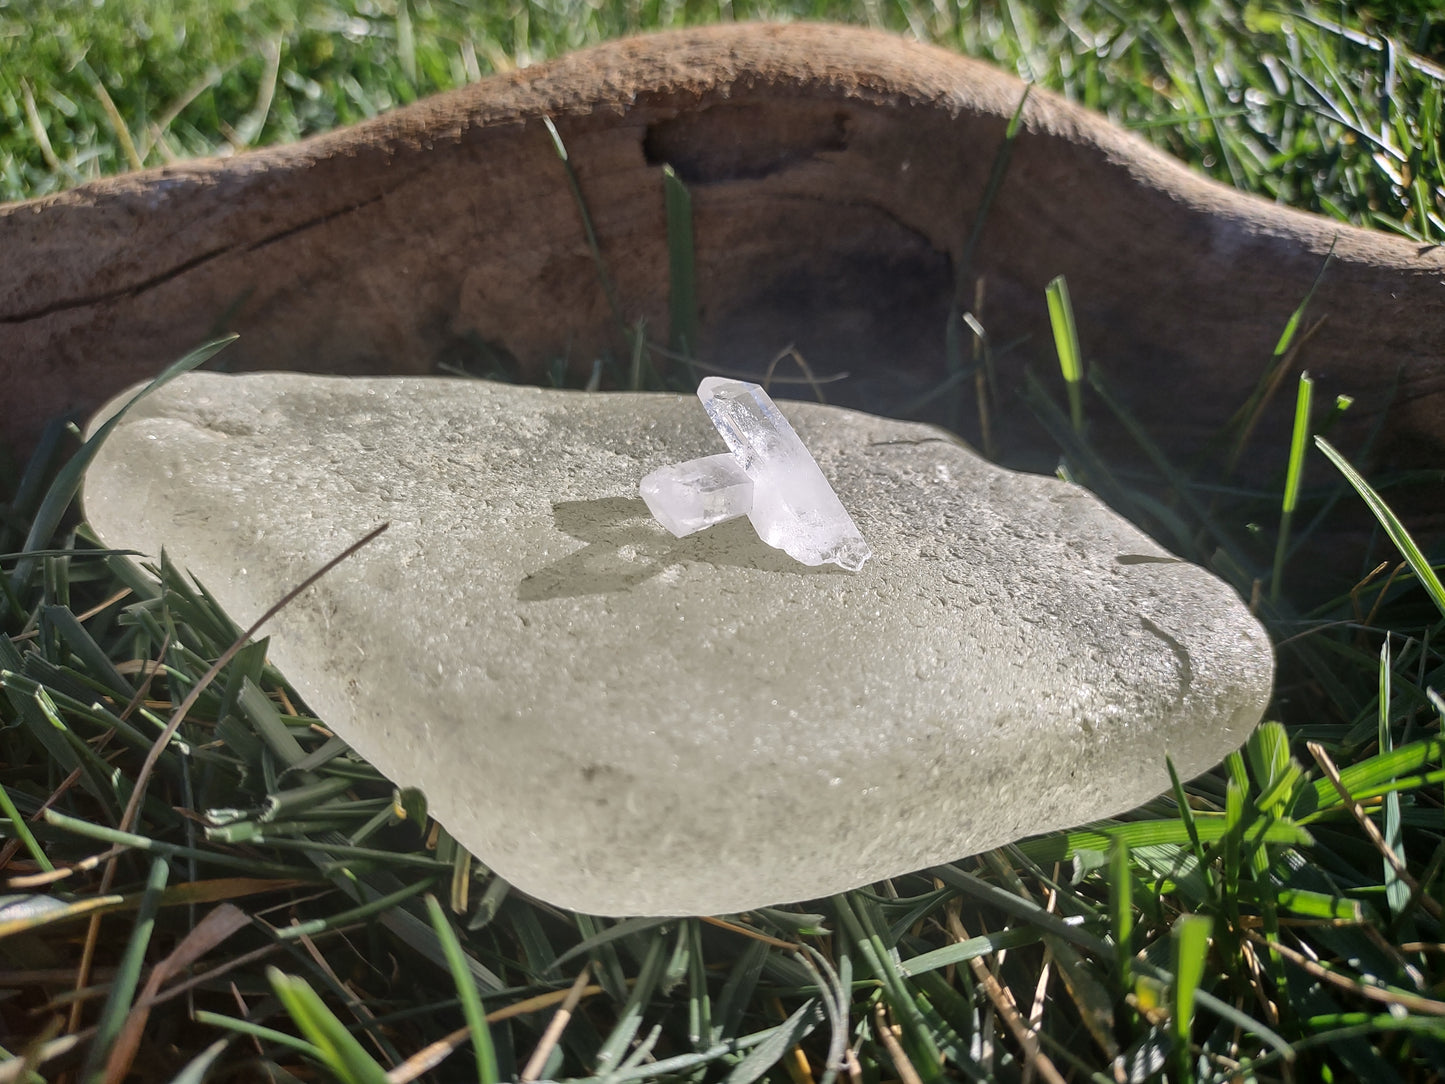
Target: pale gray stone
{"type": "Point", "coordinates": [623, 722]}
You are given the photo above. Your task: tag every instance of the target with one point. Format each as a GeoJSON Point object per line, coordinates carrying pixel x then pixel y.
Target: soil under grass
{"type": "Point", "coordinates": [276, 910]}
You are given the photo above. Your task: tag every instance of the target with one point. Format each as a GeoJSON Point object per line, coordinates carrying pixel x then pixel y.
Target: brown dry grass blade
{"type": "Point", "coordinates": [216, 927]}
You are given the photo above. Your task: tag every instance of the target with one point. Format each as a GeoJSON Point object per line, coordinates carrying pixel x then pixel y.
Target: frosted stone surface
{"type": "Point", "coordinates": [686, 497]}
{"type": "Point", "coordinates": [624, 722]}
{"type": "Point", "coordinates": [794, 508]}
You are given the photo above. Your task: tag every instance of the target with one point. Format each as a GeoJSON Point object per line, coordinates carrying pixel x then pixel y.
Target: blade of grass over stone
{"type": "Point", "coordinates": [236, 646]}
{"type": "Point", "coordinates": [486, 1057]}
{"type": "Point", "coordinates": [681, 272]}
{"type": "Point", "coordinates": [67, 483]}
{"type": "Point", "coordinates": [336, 1046]}
{"type": "Point", "coordinates": [1276, 772]}
{"type": "Point", "coordinates": [248, 665]}
{"type": "Point", "coordinates": [1419, 565]}
{"type": "Point", "coordinates": [1066, 343]}
{"type": "Point", "coordinates": [1294, 477]}
{"type": "Point", "coordinates": [127, 978]}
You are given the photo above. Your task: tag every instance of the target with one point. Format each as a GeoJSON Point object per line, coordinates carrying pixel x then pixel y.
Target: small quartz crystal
{"type": "Point", "coordinates": [687, 497]}
{"type": "Point", "coordinates": [794, 508]}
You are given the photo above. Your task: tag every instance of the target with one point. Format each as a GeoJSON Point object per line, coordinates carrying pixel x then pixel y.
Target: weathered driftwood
{"type": "Point", "coordinates": [835, 176]}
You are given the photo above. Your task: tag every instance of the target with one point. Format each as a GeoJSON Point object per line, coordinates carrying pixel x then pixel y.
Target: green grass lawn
{"type": "Point", "coordinates": [1278, 919]}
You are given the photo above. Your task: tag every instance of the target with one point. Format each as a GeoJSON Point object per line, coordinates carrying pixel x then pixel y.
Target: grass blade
{"type": "Point", "coordinates": [593, 246]}
{"type": "Point", "coordinates": [338, 1049]}
{"type": "Point", "coordinates": [1397, 892]}
{"type": "Point", "coordinates": [196, 1069]}
{"type": "Point", "coordinates": [681, 269]}
{"type": "Point", "coordinates": [1191, 949]}
{"type": "Point", "coordinates": [1066, 342]}
{"type": "Point", "coordinates": [771, 1050]}
{"type": "Point", "coordinates": [1391, 523]}
{"type": "Point", "coordinates": [23, 833]}
{"type": "Point", "coordinates": [630, 1018]}
{"type": "Point", "coordinates": [67, 483]}
{"type": "Point", "coordinates": [471, 999]}
{"type": "Point", "coordinates": [258, 1031]}
{"type": "Point", "coordinates": [1294, 476]}
{"type": "Point", "coordinates": [127, 978]}
{"type": "Point", "coordinates": [1121, 909]}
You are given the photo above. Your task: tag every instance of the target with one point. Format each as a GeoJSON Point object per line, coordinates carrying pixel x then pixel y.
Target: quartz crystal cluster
{"type": "Point", "coordinates": [770, 477]}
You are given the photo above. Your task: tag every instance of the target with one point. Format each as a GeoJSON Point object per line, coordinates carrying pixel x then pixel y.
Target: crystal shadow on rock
{"type": "Point", "coordinates": [626, 547]}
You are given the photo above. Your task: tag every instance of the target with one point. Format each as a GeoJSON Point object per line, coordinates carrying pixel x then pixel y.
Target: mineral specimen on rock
{"type": "Point", "coordinates": [624, 722]}
{"type": "Point", "coordinates": [794, 508]}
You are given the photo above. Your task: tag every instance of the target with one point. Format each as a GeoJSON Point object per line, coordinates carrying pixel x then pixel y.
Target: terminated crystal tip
{"type": "Point", "coordinates": [794, 507]}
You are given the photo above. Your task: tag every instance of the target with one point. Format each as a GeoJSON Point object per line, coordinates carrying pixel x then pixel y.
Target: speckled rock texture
{"type": "Point", "coordinates": [623, 722]}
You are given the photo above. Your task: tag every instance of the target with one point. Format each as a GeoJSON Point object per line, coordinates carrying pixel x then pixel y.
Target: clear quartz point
{"type": "Point", "coordinates": [794, 509]}
{"type": "Point", "coordinates": [686, 497]}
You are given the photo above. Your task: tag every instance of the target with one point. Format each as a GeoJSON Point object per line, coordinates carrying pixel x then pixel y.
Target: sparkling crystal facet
{"type": "Point", "coordinates": [794, 507]}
